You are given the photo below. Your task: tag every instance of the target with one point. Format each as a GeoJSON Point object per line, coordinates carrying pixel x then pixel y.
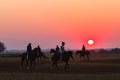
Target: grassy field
{"type": "Point", "coordinates": [100, 67]}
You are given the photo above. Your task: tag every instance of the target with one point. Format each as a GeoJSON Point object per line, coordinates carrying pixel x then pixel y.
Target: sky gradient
{"type": "Point", "coordinates": [48, 22]}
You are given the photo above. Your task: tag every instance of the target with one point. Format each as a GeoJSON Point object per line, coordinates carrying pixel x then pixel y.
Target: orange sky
{"type": "Point", "coordinates": [48, 22]}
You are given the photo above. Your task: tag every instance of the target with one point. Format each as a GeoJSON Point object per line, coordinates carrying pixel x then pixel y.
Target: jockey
{"type": "Point", "coordinates": [39, 50]}
{"type": "Point", "coordinates": [29, 49]}
{"type": "Point", "coordinates": [62, 49]}
{"type": "Point", "coordinates": [83, 49]}
{"type": "Point", "coordinates": [57, 51]}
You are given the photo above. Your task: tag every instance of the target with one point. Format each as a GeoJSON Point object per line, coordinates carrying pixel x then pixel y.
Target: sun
{"type": "Point", "coordinates": [90, 42]}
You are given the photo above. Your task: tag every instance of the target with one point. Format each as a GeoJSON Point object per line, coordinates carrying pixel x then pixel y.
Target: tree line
{"type": "Point", "coordinates": [113, 50]}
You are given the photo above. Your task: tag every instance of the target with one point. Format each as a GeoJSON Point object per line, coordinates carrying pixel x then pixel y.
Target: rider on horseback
{"type": "Point", "coordinates": [62, 49]}
{"type": "Point", "coordinates": [83, 49]}
{"type": "Point", "coordinates": [39, 50]}
{"type": "Point", "coordinates": [29, 50]}
{"type": "Point", "coordinates": [57, 51]}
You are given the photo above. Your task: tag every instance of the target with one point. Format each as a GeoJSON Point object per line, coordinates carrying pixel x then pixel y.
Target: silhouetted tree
{"type": "Point", "coordinates": [115, 50]}
{"type": "Point", "coordinates": [102, 51]}
{"type": "Point", "coordinates": [2, 46]}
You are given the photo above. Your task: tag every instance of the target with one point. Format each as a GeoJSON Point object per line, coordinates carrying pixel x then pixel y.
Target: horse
{"type": "Point", "coordinates": [29, 58]}
{"type": "Point", "coordinates": [65, 58]}
{"type": "Point", "coordinates": [85, 55]}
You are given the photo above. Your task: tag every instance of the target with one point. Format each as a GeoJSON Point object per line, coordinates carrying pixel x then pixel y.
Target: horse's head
{"type": "Point", "coordinates": [52, 51]}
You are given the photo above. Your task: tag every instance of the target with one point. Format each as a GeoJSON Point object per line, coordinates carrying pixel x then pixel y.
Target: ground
{"type": "Point", "coordinates": [100, 67]}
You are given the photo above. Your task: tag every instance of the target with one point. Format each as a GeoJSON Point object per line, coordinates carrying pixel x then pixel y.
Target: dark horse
{"type": "Point", "coordinates": [85, 55]}
{"type": "Point", "coordinates": [29, 58]}
{"type": "Point", "coordinates": [65, 58]}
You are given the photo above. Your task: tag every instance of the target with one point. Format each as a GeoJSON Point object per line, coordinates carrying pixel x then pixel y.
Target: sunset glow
{"type": "Point", "coordinates": [48, 22]}
{"type": "Point", "coordinates": [90, 42]}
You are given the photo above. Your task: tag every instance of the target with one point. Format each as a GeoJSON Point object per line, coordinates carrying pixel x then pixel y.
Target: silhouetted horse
{"type": "Point", "coordinates": [85, 55]}
{"type": "Point", "coordinates": [29, 58]}
{"type": "Point", "coordinates": [65, 57]}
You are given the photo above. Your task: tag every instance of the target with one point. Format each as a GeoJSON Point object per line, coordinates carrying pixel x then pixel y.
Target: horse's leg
{"type": "Point", "coordinates": [53, 64]}
{"type": "Point", "coordinates": [41, 59]}
{"type": "Point", "coordinates": [84, 57]}
{"type": "Point", "coordinates": [38, 57]}
{"type": "Point", "coordinates": [27, 65]}
{"type": "Point", "coordinates": [80, 57]}
{"type": "Point", "coordinates": [56, 66]}
{"type": "Point", "coordinates": [34, 65]}
{"type": "Point", "coordinates": [88, 57]}
{"type": "Point", "coordinates": [44, 58]}
{"type": "Point", "coordinates": [22, 61]}
{"type": "Point", "coordinates": [65, 66]}
{"type": "Point", "coordinates": [31, 64]}
{"type": "Point", "coordinates": [68, 65]}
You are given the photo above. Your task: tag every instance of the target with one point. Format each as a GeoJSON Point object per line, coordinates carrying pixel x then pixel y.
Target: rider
{"type": "Point", "coordinates": [58, 51]}
{"type": "Point", "coordinates": [39, 50]}
{"type": "Point", "coordinates": [29, 49]}
{"type": "Point", "coordinates": [83, 49]}
{"type": "Point", "coordinates": [62, 49]}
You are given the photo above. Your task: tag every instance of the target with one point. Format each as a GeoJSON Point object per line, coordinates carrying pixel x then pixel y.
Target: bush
{"type": "Point", "coordinates": [2, 46]}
